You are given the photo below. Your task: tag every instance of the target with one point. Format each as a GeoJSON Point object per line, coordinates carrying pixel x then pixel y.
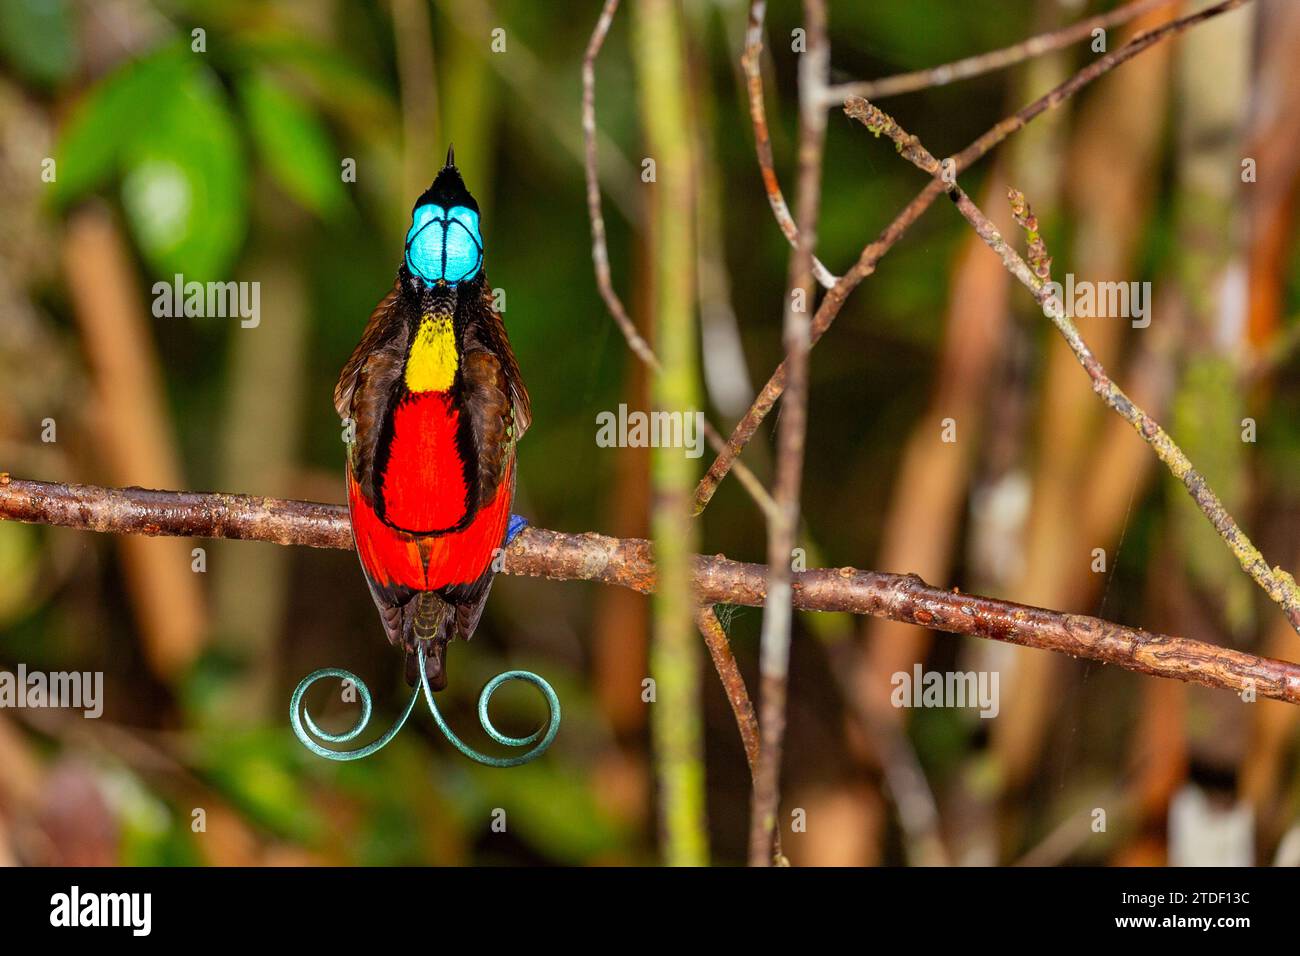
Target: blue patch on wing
{"type": "Point", "coordinates": [444, 243]}
{"type": "Point", "coordinates": [517, 523]}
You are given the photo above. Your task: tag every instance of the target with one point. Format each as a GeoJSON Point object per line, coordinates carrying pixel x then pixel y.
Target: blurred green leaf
{"type": "Point", "coordinates": [293, 143]}
{"type": "Point", "coordinates": [941, 737]}
{"type": "Point", "coordinates": [895, 31]}
{"type": "Point", "coordinates": [555, 810]}
{"type": "Point", "coordinates": [252, 768]}
{"type": "Point", "coordinates": [91, 143]}
{"type": "Point", "coordinates": [332, 79]}
{"type": "Point", "coordinates": [36, 37]}
{"type": "Point", "coordinates": [19, 566]}
{"type": "Point", "coordinates": [184, 187]}
{"type": "Point", "coordinates": [149, 833]}
{"type": "Point", "coordinates": [163, 124]}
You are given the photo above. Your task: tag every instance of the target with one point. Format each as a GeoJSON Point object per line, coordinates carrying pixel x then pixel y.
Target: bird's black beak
{"type": "Point", "coordinates": [451, 155]}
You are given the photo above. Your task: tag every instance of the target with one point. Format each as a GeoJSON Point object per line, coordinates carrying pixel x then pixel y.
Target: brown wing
{"type": "Point", "coordinates": [488, 405]}
{"type": "Point", "coordinates": [381, 327]}
{"type": "Point", "coordinates": [366, 384]}
{"type": "Point", "coordinates": [490, 334]}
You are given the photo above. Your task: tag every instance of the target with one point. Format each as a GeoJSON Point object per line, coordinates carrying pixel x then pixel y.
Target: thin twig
{"type": "Point", "coordinates": [814, 67]}
{"type": "Point", "coordinates": [629, 563]}
{"type": "Point", "coordinates": [527, 75]}
{"type": "Point", "coordinates": [834, 299]}
{"type": "Point", "coordinates": [829, 308]}
{"type": "Point", "coordinates": [1035, 275]}
{"type": "Point", "coordinates": [733, 682]}
{"type": "Point", "coordinates": [600, 247]}
{"type": "Point", "coordinates": [752, 62]}
{"type": "Point", "coordinates": [903, 776]}
{"type": "Point", "coordinates": [1091, 72]}
{"type": "Point", "coordinates": [1065, 839]}
{"type": "Point", "coordinates": [1276, 582]}
{"type": "Point", "coordinates": [983, 63]}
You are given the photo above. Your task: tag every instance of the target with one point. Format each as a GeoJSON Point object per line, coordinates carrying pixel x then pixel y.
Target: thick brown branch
{"type": "Point", "coordinates": [628, 562]}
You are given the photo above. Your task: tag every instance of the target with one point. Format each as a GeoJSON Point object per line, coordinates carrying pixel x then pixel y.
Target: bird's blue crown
{"type": "Point", "coordinates": [444, 242]}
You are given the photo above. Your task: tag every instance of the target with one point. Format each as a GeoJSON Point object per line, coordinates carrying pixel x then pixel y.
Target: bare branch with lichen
{"type": "Point", "coordinates": [834, 299]}
{"type": "Point", "coordinates": [1035, 275]}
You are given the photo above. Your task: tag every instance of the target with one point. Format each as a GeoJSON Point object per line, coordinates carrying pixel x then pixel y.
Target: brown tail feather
{"type": "Point", "coordinates": [428, 619]}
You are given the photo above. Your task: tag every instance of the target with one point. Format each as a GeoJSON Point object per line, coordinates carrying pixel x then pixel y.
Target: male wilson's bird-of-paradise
{"type": "Point", "coordinates": [435, 406]}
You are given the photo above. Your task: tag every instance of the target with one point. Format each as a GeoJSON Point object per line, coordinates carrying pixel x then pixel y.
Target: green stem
{"type": "Point", "coordinates": [675, 663]}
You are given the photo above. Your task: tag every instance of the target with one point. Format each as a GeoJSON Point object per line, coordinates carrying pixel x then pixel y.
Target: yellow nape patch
{"type": "Point", "coordinates": [432, 362]}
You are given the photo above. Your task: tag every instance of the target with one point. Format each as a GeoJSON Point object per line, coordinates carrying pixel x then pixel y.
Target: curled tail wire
{"type": "Point", "coordinates": [304, 727]}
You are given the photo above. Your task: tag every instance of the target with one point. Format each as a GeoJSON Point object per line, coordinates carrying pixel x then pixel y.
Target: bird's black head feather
{"type": "Point", "coordinates": [448, 188]}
